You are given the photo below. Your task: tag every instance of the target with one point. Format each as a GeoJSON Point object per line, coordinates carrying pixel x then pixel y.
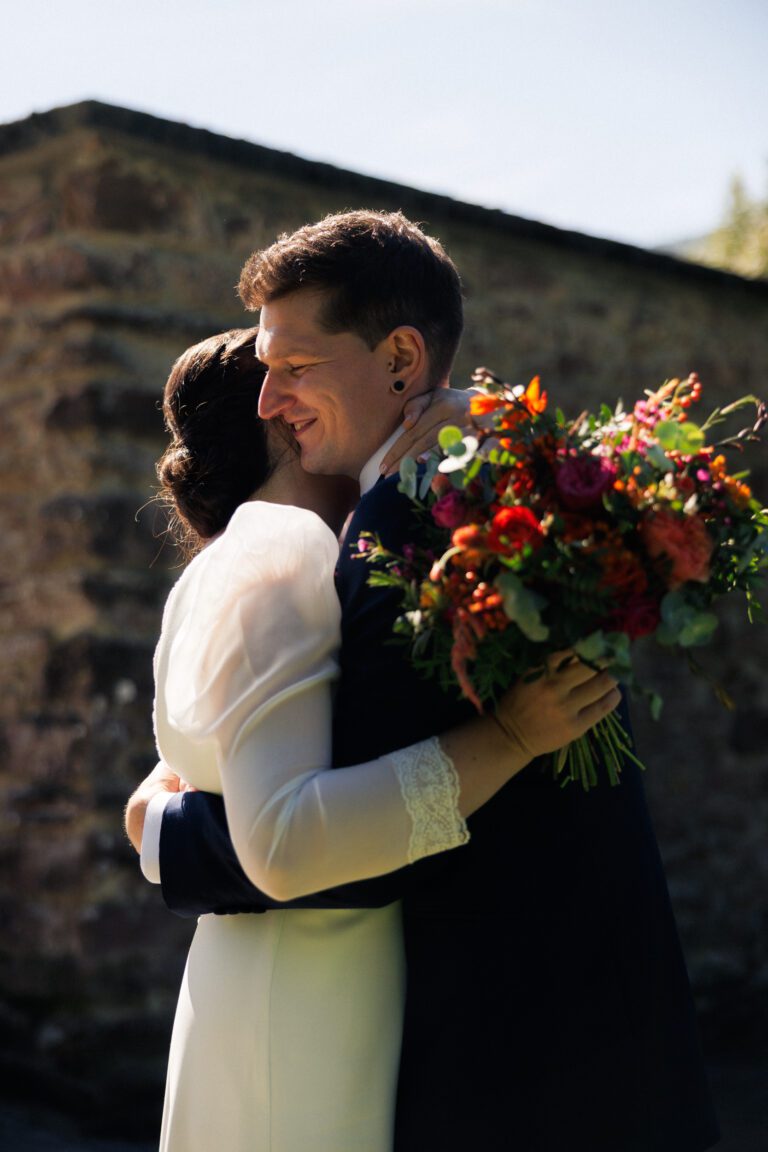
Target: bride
{"type": "Point", "coordinates": [287, 1030]}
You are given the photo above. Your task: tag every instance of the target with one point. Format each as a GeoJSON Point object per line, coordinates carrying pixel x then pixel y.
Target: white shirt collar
{"type": "Point", "coordinates": [370, 473]}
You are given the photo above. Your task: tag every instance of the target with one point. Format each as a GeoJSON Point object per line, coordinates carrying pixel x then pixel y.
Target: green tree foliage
{"type": "Point", "coordinates": [740, 244]}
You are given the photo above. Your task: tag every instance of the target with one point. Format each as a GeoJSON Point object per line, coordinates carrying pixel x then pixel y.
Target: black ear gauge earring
{"type": "Point", "coordinates": [397, 386]}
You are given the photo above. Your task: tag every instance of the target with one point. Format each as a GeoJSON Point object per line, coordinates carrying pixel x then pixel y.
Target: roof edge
{"type": "Point", "coordinates": [39, 126]}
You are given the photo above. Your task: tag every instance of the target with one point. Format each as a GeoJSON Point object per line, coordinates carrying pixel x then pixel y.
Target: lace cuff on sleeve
{"type": "Point", "coordinates": [430, 788]}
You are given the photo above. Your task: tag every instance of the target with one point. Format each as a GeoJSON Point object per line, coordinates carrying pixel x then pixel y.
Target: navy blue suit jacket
{"type": "Point", "coordinates": [548, 1007]}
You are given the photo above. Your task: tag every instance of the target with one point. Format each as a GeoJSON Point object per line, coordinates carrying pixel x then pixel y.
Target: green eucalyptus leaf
{"type": "Point", "coordinates": [449, 437]}
{"type": "Point", "coordinates": [522, 606]}
{"type": "Point", "coordinates": [611, 646]}
{"type": "Point", "coordinates": [592, 648]}
{"type": "Point", "coordinates": [658, 457]}
{"type": "Point", "coordinates": [674, 437]}
{"type": "Point", "coordinates": [698, 630]}
{"type": "Point", "coordinates": [692, 438]}
{"type": "Point", "coordinates": [430, 470]}
{"type": "Point", "coordinates": [619, 652]}
{"type": "Point", "coordinates": [683, 623]}
{"type": "Point", "coordinates": [656, 704]}
{"type": "Point", "coordinates": [667, 433]}
{"type": "Point", "coordinates": [675, 610]}
{"type": "Point", "coordinates": [408, 477]}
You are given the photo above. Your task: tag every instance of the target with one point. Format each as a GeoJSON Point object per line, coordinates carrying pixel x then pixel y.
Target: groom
{"type": "Point", "coordinates": [548, 1007]}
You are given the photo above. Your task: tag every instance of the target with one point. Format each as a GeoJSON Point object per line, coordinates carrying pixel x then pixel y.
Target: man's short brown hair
{"type": "Point", "coordinates": [378, 271]}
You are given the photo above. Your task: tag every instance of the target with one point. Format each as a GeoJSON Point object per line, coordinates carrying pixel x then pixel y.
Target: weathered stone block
{"type": "Point", "coordinates": [115, 195]}
{"type": "Point", "coordinates": [107, 407]}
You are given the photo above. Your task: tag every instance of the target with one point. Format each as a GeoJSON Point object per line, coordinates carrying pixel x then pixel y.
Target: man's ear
{"type": "Point", "coordinates": [407, 361]}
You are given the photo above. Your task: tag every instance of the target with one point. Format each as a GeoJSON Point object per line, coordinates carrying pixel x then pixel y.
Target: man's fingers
{"type": "Point", "coordinates": [557, 661]}
{"type": "Point", "coordinates": [595, 712]}
{"type": "Point", "coordinates": [586, 692]}
{"type": "Point", "coordinates": [569, 673]}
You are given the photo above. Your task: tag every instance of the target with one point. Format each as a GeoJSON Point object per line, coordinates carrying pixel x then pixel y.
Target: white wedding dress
{"type": "Point", "coordinates": [287, 1030]}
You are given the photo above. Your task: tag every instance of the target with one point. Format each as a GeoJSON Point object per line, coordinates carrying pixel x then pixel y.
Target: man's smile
{"type": "Point", "coordinates": [298, 426]}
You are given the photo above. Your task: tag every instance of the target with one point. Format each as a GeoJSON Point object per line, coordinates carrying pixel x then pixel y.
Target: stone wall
{"type": "Point", "coordinates": [121, 238]}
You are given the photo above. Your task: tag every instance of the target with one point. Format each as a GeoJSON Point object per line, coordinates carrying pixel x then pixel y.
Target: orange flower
{"type": "Point", "coordinates": [683, 541]}
{"type": "Point", "coordinates": [740, 494]}
{"type": "Point", "coordinates": [468, 536]}
{"type": "Point", "coordinates": [530, 402]}
{"type": "Point", "coordinates": [481, 405]}
{"type": "Point", "coordinates": [533, 398]}
{"type": "Point", "coordinates": [718, 467]}
{"type": "Point", "coordinates": [471, 541]}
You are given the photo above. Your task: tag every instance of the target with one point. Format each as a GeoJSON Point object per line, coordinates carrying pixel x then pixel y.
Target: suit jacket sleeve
{"type": "Point", "coordinates": [200, 871]}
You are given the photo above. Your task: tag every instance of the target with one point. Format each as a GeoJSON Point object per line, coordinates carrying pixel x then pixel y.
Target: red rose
{"type": "Point", "coordinates": [637, 617]}
{"type": "Point", "coordinates": [450, 510]}
{"type": "Point", "coordinates": [513, 528]}
{"type": "Point", "coordinates": [581, 481]}
{"type": "Point", "coordinates": [683, 541]}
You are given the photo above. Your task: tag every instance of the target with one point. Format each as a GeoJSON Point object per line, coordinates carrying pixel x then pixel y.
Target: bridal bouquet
{"type": "Point", "coordinates": [542, 533]}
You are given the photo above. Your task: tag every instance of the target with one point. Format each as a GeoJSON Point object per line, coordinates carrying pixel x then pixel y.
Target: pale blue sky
{"type": "Point", "coordinates": [621, 118]}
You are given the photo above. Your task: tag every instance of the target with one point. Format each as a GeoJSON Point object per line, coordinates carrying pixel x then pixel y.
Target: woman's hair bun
{"type": "Point", "coordinates": [218, 452]}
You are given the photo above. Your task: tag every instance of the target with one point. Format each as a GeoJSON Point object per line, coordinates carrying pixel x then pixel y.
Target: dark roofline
{"type": "Point", "coordinates": [367, 189]}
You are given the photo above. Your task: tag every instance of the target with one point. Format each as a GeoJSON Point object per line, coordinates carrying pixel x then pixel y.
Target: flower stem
{"type": "Point", "coordinates": [607, 743]}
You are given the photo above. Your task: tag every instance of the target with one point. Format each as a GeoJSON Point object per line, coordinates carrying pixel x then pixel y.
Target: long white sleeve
{"type": "Point", "coordinates": [245, 671]}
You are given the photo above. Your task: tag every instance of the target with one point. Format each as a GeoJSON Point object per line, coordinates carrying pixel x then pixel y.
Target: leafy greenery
{"type": "Point", "coordinates": [740, 243]}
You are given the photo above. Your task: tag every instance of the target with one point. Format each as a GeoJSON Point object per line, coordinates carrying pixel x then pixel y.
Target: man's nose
{"type": "Point", "coordinates": [273, 400]}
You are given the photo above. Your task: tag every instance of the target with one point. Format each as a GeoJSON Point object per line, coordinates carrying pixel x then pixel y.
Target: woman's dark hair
{"type": "Point", "coordinates": [218, 453]}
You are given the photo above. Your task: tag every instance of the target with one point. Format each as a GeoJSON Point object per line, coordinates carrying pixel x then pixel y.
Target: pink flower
{"type": "Point", "coordinates": [450, 511]}
{"type": "Point", "coordinates": [683, 541]}
{"type": "Point", "coordinates": [582, 480]}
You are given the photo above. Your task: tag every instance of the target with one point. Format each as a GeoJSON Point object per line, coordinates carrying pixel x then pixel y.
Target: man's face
{"type": "Point", "coordinates": [332, 390]}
